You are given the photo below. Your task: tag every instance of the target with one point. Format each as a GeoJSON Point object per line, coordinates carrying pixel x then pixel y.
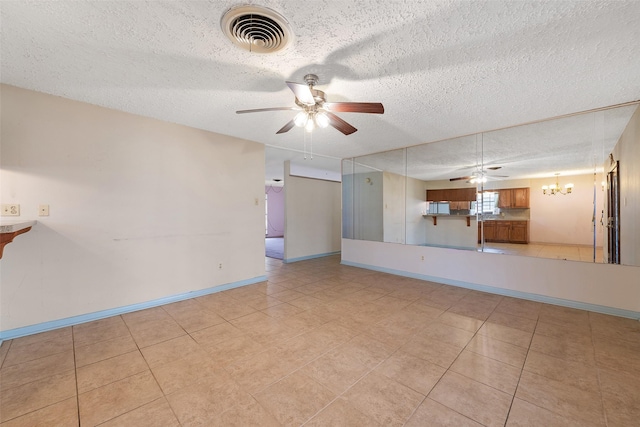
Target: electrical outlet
{"type": "Point", "coordinates": [220, 266]}
{"type": "Point", "coordinates": [422, 258]}
{"type": "Point", "coordinates": [10, 210]}
{"type": "Point", "coordinates": [43, 210]}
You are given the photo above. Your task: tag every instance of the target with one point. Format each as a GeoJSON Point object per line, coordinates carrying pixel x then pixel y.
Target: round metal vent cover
{"type": "Point", "coordinates": [256, 29]}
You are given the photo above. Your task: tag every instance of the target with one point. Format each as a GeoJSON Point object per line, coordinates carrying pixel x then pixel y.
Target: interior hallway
{"type": "Point", "coordinates": [324, 344]}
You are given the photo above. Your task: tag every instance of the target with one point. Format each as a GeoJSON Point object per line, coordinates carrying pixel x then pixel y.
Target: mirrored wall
{"type": "Point", "coordinates": [567, 188]}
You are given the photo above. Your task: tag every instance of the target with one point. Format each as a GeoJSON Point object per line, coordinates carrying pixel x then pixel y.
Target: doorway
{"type": "Point", "coordinates": [274, 221]}
{"type": "Point", "coordinates": [613, 214]}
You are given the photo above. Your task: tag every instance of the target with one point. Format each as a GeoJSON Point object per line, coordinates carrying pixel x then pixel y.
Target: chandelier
{"type": "Point", "coordinates": [553, 189]}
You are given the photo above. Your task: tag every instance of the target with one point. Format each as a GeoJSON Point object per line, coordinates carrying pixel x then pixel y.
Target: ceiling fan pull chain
{"type": "Point", "coordinates": [305, 144]}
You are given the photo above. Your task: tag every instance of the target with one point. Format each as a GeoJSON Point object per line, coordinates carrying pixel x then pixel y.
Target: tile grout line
{"type": "Point", "coordinates": [357, 381]}
{"type": "Point", "coordinates": [164, 395]}
{"type": "Point", "coordinates": [604, 411]}
{"type": "Point", "coordinates": [456, 358]}
{"type": "Point", "coordinates": [359, 333]}
{"type": "Point", "coordinates": [75, 372]}
{"type": "Point", "coordinates": [150, 371]}
{"type": "Point", "coordinates": [522, 370]}
{"type": "Point", "coordinates": [10, 344]}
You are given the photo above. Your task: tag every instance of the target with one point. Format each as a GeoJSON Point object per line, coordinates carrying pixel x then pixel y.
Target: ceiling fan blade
{"type": "Point", "coordinates": [355, 107]}
{"type": "Point", "coordinates": [259, 110]}
{"type": "Point", "coordinates": [302, 93]}
{"type": "Point", "coordinates": [287, 127]}
{"type": "Point", "coordinates": [340, 124]}
{"type": "Point", "coordinates": [461, 178]}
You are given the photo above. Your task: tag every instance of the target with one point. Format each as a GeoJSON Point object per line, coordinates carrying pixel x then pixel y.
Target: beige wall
{"type": "Point", "coordinates": [139, 209]}
{"type": "Point", "coordinates": [416, 207]}
{"type": "Point", "coordinates": [566, 219]}
{"type": "Point", "coordinates": [312, 217]}
{"type": "Point", "coordinates": [393, 207]}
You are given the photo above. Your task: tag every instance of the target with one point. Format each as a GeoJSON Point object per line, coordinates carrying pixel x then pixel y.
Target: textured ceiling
{"type": "Point", "coordinates": [573, 145]}
{"type": "Point", "coordinates": [441, 68]}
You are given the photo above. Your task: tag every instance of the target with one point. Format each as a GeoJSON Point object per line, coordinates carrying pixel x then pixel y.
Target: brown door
{"type": "Point", "coordinates": [613, 214]}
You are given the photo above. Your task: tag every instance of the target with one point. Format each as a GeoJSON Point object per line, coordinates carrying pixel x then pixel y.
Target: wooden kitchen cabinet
{"type": "Point", "coordinates": [520, 197]}
{"type": "Point", "coordinates": [513, 198]}
{"type": "Point", "coordinates": [519, 232]}
{"type": "Point", "coordinates": [452, 195]}
{"type": "Point", "coordinates": [504, 199]}
{"type": "Point", "coordinates": [436, 196]}
{"type": "Point", "coordinates": [489, 231]}
{"type": "Point", "coordinates": [505, 231]}
{"type": "Point", "coordinates": [463, 194]}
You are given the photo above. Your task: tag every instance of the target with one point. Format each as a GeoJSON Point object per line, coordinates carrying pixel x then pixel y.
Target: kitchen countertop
{"type": "Point", "coordinates": [446, 215]}
{"type": "Point", "coordinates": [502, 219]}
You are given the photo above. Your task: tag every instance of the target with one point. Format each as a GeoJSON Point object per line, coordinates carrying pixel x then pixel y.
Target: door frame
{"type": "Point", "coordinates": [613, 213]}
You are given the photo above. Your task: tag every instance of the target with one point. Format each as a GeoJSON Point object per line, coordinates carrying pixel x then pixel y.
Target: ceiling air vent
{"type": "Point", "coordinates": [256, 29]}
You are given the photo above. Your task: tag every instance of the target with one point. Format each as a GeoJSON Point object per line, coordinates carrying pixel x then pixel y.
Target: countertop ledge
{"type": "Point", "coordinates": [13, 225]}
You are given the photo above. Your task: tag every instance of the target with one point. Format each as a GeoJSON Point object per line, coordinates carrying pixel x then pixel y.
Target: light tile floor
{"type": "Point", "coordinates": [582, 253]}
{"type": "Point", "coordinates": [321, 344]}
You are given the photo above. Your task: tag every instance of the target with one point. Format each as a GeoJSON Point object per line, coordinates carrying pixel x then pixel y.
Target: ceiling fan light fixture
{"type": "Point", "coordinates": [322, 121]}
{"type": "Point", "coordinates": [310, 126]}
{"type": "Point", "coordinates": [313, 109]}
{"type": "Point", "coordinates": [301, 119]}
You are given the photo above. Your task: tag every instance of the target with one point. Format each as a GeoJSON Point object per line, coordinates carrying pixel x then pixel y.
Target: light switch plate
{"type": "Point", "coordinates": [10, 210]}
{"type": "Point", "coordinates": [43, 210]}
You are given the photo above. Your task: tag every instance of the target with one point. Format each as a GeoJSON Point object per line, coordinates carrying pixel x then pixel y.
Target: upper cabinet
{"type": "Point", "coordinates": [452, 195]}
{"type": "Point", "coordinates": [513, 198]}
{"type": "Point", "coordinates": [509, 197]}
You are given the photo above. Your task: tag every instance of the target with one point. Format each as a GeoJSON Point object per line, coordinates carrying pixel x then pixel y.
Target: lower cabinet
{"type": "Point", "coordinates": [504, 231]}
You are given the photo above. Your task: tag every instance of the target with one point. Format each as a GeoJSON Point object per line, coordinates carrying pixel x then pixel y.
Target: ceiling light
{"type": "Point", "coordinates": [301, 119]}
{"type": "Point", "coordinates": [309, 126]}
{"type": "Point", "coordinates": [477, 180]}
{"type": "Point", "coordinates": [322, 120]}
{"type": "Point", "coordinates": [553, 189]}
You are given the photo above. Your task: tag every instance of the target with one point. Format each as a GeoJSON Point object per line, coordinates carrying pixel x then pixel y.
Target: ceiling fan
{"type": "Point", "coordinates": [480, 176]}
{"type": "Point", "coordinates": [314, 110]}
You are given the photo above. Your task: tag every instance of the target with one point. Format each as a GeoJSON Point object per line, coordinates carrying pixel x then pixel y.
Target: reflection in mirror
{"type": "Point", "coordinates": [517, 208]}
{"type": "Point", "coordinates": [376, 186]}
{"type": "Point", "coordinates": [441, 212]}
{"type": "Point", "coordinates": [348, 201]}
{"type": "Point", "coordinates": [560, 164]}
{"type": "Point", "coordinates": [555, 165]}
